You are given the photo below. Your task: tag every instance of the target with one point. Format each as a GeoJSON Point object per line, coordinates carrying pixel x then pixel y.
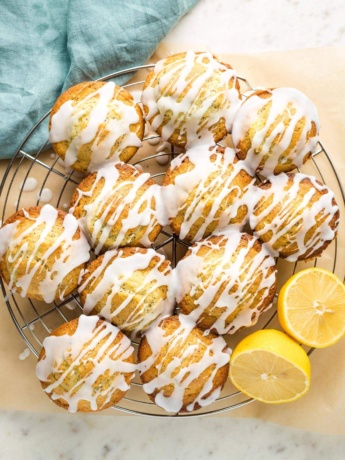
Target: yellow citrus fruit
{"type": "Point", "coordinates": [271, 367]}
{"type": "Point", "coordinates": [311, 307]}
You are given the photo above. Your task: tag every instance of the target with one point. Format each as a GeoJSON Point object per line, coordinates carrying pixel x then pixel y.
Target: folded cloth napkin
{"type": "Point", "coordinates": [47, 46]}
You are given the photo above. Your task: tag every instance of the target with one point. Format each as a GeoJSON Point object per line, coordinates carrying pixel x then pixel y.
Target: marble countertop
{"type": "Point", "coordinates": [223, 26]}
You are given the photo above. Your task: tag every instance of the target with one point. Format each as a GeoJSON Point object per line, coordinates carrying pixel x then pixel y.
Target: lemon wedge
{"type": "Point", "coordinates": [270, 367]}
{"type": "Point", "coordinates": [311, 307]}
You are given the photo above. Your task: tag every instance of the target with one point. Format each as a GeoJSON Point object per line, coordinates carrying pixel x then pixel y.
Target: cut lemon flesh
{"type": "Point", "coordinates": [311, 307]}
{"type": "Point", "coordinates": [270, 367]}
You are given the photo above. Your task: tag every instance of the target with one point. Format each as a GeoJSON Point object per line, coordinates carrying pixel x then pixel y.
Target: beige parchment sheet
{"type": "Point", "coordinates": [320, 74]}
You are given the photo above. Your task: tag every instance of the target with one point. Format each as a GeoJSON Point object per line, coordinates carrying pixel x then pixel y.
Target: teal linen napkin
{"type": "Point", "coordinates": [47, 46]}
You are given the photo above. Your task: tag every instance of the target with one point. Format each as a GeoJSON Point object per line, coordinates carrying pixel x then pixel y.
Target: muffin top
{"type": "Point", "coordinates": [118, 206]}
{"type": "Point", "coordinates": [295, 215]}
{"type": "Point", "coordinates": [190, 98]}
{"type": "Point", "coordinates": [182, 369]}
{"type": "Point", "coordinates": [95, 123]}
{"type": "Point", "coordinates": [226, 282]}
{"type": "Point", "coordinates": [42, 253]}
{"type": "Point", "coordinates": [205, 190]}
{"type": "Point", "coordinates": [86, 364]}
{"type": "Point", "coordinates": [131, 287]}
{"type": "Point", "coordinates": [276, 130]}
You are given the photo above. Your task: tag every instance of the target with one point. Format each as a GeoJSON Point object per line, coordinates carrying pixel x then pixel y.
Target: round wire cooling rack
{"type": "Point", "coordinates": [35, 320]}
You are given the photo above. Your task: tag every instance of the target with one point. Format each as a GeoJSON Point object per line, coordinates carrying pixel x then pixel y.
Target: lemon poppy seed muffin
{"type": "Point", "coordinates": [182, 369]}
{"type": "Point", "coordinates": [86, 365]}
{"type": "Point", "coordinates": [205, 190]}
{"type": "Point", "coordinates": [295, 215]}
{"type": "Point", "coordinates": [118, 206]}
{"type": "Point", "coordinates": [191, 98]}
{"type": "Point", "coordinates": [226, 282]}
{"type": "Point", "coordinates": [276, 130]}
{"type": "Point", "coordinates": [130, 287]}
{"type": "Point", "coordinates": [95, 123]}
{"type": "Point", "coordinates": [42, 253]}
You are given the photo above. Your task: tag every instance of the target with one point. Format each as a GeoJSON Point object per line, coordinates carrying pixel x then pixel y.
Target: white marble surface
{"type": "Point", "coordinates": [224, 26]}
{"type": "Point", "coordinates": [249, 26]}
{"type": "Point", "coordinates": [26, 436]}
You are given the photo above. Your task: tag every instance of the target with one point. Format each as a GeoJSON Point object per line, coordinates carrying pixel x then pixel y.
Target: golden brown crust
{"type": "Point", "coordinates": [197, 339]}
{"type": "Point", "coordinates": [12, 269]}
{"type": "Point", "coordinates": [77, 94]}
{"type": "Point", "coordinates": [133, 236]}
{"type": "Point", "coordinates": [239, 185]}
{"type": "Point", "coordinates": [211, 314]}
{"type": "Point", "coordinates": [135, 286]}
{"type": "Point", "coordinates": [80, 372]}
{"type": "Point", "coordinates": [178, 137]}
{"type": "Point", "coordinates": [287, 161]}
{"type": "Point", "coordinates": [283, 245]}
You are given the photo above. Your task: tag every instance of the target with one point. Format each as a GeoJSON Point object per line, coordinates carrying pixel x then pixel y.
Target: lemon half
{"type": "Point", "coordinates": [311, 307]}
{"type": "Point", "coordinates": [271, 367]}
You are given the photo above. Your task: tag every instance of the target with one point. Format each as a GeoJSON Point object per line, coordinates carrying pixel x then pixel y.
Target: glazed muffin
{"type": "Point", "coordinates": [295, 215]}
{"type": "Point", "coordinates": [276, 130]}
{"type": "Point", "coordinates": [205, 190]}
{"type": "Point", "coordinates": [130, 287]}
{"type": "Point", "coordinates": [86, 365]}
{"type": "Point", "coordinates": [226, 282]}
{"type": "Point", "coordinates": [42, 253]}
{"type": "Point", "coordinates": [191, 98]}
{"type": "Point", "coordinates": [182, 369]}
{"type": "Point", "coordinates": [95, 123]}
{"type": "Point", "coordinates": [118, 206]}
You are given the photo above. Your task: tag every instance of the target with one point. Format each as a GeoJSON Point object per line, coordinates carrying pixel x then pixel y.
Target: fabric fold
{"type": "Point", "coordinates": [48, 46]}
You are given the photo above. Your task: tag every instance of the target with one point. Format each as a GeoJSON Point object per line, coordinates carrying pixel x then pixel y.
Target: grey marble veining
{"type": "Point", "coordinates": [249, 26]}
{"type": "Point", "coordinates": [30, 436]}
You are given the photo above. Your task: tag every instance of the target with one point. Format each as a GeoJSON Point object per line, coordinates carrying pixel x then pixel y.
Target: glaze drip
{"type": "Point", "coordinates": [29, 261]}
{"type": "Point", "coordinates": [190, 95]}
{"type": "Point", "coordinates": [212, 193]}
{"type": "Point", "coordinates": [276, 130]}
{"type": "Point", "coordinates": [293, 216]}
{"type": "Point", "coordinates": [227, 282]}
{"type": "Point", "coordinates": [91, 345]}
{"type": "Point", "coordinates": [123, 290]}
{"type": "Point", "coordinates": [108, 136]}
{"type": "Point", "coordinates": [121, 204]}
{"type": "Point", "coordinates": [180, 360]}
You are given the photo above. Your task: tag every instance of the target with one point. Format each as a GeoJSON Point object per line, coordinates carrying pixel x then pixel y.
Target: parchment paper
{"type": "Point", "coordinates": [320, 74]}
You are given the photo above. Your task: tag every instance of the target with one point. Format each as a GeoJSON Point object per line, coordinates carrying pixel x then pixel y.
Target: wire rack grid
{"type": "Point", "coordinates": [35, 320]}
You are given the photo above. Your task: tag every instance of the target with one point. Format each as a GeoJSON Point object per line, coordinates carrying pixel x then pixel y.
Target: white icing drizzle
{"type": "Point", "coordinates": [104, 211]}
{"type": "Point", "coordinates": [136, 94]}
{"type": "Point", "coordinates": [163, 160]}
{"type": "Point", "coordinates": [276, 141]}
{"type": "Point", "coordinates": [64, 121]}
{"type": "Point", "coordinates": [155, 140]}
{"type": "Point", "coordinates": [79, 348]}
{"type": "Point", "coordinates": [211, 181]}
{"type": "Point", "coordinates": [223, 280]}
{"type": "Point", "coordinates": [297, 210]}
{"type": "Point", "coordinates": [114, 272]}
{"type": "Point", "coordinates": [139, 167]}
{"type": "Point", "coordinates": [74, 252]}
{"type": "Point", "coordinates": [172, 92]}
{"type": "Point", "coordinates": [45, 196]}
{"type": "Point", "coordinates": [215, 355]}
{"type": "Point", "coordinates": [24, 354]}
{"type": "Point", "coordinates": [29, 185]}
